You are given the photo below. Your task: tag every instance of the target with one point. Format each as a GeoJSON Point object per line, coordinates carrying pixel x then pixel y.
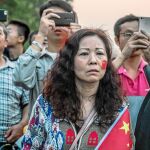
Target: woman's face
{"type": "Point", "coordinates": [90, 61]}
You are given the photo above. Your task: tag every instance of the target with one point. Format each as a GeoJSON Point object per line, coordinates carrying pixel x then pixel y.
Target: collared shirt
{"type": "Point", "coordinates": [134, 87]}
{"type": "Point", "coordinates": [12, 99]}
{"type": "Point", "coordinates": [30, 70]}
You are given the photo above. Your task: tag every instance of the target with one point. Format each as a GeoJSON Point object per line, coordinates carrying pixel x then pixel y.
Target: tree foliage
{"type": "Point", "coordinates": [25, 10]}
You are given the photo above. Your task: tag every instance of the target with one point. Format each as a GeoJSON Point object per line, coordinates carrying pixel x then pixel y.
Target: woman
{"type": "Point", "coordinates": [81, 80]}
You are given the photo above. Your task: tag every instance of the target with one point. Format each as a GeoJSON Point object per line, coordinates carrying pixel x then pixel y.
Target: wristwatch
{"type": "Point", "coordinates": [37, 44]}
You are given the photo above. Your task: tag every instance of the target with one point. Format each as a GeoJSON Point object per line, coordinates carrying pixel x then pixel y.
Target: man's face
{"type": "Point", "coordinates": [60, 33]}
{"type": "Point", "coordinates": [13, 35]}
{"type": "Point", "coordinates": [126, 31]}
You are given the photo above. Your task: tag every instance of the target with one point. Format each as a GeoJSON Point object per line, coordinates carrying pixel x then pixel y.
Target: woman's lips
{"type": "Point", "coordinates": [93, 70]}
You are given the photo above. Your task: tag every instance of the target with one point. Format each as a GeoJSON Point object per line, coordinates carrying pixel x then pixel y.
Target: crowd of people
{"type": "Point", "coordinates": [67, 89]}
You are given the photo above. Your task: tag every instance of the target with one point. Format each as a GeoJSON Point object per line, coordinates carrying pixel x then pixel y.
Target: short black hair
{"type": "Point", "coordinates": [23, 28]}
{"type": "Point", "coordinates": [56, 3]}
{"type": "Point", "coordinates": [119, 22]}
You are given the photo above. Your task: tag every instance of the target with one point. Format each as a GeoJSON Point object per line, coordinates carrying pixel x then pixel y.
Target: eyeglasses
{"type": "Point", "coordinates": [127, 34]}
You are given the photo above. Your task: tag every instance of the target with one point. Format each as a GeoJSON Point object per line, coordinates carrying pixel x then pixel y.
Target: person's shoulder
{"type": "Point", "coordinates": [9, 63]}
{"type": "Point", "coordinates": [123, 107]}
{"type": "Point", "coordinates": [120, 70]}
{"type": "Point", "coordinates": [121, 111]}
{"type": "Point", "coordinates": [45, 105]}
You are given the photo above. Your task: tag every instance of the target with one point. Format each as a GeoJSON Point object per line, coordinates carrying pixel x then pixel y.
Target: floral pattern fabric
{"type": "Point", "coordinates": [43, 131]}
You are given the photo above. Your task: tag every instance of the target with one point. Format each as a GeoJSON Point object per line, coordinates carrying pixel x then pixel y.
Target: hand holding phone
{"type": "Point", "coordinates": [65, 19]}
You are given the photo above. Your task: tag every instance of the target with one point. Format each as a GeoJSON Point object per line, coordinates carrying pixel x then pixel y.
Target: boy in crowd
{"type": "Point", "coordinates": [18, 33]}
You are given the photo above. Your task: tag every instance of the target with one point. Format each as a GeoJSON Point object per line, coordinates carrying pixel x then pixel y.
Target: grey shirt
{"type": "Point", "coordinates": [30, 70]}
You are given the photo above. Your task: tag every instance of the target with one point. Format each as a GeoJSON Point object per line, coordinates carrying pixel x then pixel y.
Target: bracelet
{"type": "Point", "coordinates": [37, 44]}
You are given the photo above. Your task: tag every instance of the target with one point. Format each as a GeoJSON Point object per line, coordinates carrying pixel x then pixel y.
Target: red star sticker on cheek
{"type": "Point", "coordinates": [103, 64]}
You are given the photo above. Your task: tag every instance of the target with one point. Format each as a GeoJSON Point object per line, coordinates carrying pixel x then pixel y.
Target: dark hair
{"type": "Point", "coordinates": [31, 35]}
{"type": "Point", "coordinates": [60, 87]}
{"type": "Point", "coordinates": [56, 3]}
{"type": "Point", "coordinates": [4, 29]}
{"type": "Point", "coordinates": [23, 28]}
{"type": "Point", "coordinates": [119, 22]}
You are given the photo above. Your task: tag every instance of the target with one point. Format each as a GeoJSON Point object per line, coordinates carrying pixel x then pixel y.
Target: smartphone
{"type": "Point", "coordinates": [3, 15]}
{"type": "Point", "coordinates": [144, 24]}
{"type": "Point", "coordinates": [65, 19]}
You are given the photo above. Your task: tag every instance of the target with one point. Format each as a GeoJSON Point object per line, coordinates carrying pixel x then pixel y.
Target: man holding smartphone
{"type": "Point", "coordinates": [132, 44]}
{"type": "Point", "coordinates": [34, 64]}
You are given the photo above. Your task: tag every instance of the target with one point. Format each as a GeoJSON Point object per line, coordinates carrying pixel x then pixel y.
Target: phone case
{"type": "Point", "coordinates": [144, 24]}
{"type": "Point", "coordinates": [65, 19]}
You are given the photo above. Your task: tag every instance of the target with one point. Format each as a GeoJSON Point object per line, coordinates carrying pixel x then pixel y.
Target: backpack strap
{"type": "Point", "coordinates": [85, 126]}
{"type": "Point", "coordinates": [147, 73]}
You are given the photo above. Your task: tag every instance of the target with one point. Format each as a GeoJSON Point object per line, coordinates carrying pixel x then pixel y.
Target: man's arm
{"type": "Point", "coordinates": [25, 70]}
{"type": "Point", "coordinates": [118, 61]}
{"type": "Point", "coordinates": [16, 131]}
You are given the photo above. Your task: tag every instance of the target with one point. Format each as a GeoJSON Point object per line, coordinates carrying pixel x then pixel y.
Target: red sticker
{"type": "Point", "coordinates": [104, 64]}
{"type": "Point", "coordinates": [70, 136]}
{"type": "Point", "coordinates": [93, 139]}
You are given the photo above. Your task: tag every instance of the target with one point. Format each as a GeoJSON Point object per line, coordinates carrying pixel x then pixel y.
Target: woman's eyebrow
{"type": "Point", "coordinates": [97, 48]}
{"type": "Point", "coordinates": [84, 48]}
{"type": "Point", "coordinates": [100, 48]}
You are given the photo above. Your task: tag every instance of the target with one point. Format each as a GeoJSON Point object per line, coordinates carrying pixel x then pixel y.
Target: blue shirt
{"type": "Point", "coordinates": [12, 99]}
{"type": "Point", "coordinates": [30, 70]}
